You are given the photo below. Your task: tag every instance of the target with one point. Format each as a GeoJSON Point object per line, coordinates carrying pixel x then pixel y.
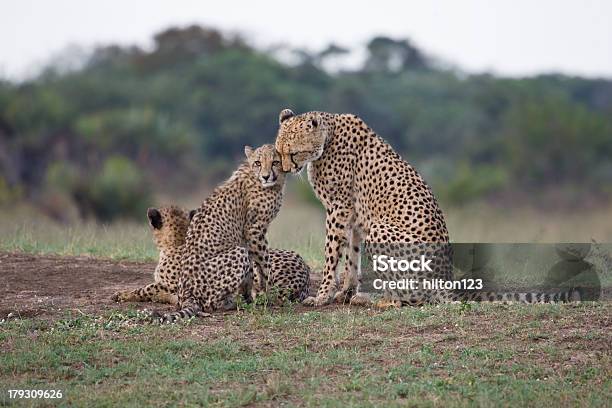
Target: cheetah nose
{"type": "Point", "coordinates": [265, 177]}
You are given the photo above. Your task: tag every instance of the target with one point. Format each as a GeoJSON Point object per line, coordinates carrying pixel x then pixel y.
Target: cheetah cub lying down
{"type": "Point", "coordinates": [226, 242]}
{"type": "Point", "coordinates": [289, 274]}
{"type": "Point", "coordinates": [169, 226]}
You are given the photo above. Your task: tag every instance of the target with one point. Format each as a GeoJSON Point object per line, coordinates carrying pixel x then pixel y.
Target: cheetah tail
{"type": "Point", "coordinates": [305, 292]}
{"type": "Point", "coordinates": [571, 295]}
{"type": "Point", "coordinates": [193, 309]}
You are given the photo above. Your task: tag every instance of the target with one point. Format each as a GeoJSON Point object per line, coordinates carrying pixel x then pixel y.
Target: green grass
{"type": "Point", "coordinates": [127, 240]}
{"type": "Point", "coordinates": [25, 230]}
{"type": "Point", "coordinates": [299, 227]}
{"type": "Point", "coordinates": [490, 355]}
{"type": "Point", "coordinates": [482, 222]}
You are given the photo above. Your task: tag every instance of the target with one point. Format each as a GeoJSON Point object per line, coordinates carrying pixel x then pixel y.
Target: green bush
{"type": "Point", "coordinates": [8, 194]}
{"type": "Point", "coordinates": [120, 189]}
{"type": "Point", "coordinates": [473, 182]}
{"type": "Point", "coordinates": [187, 107]}
{"type": "Point", "coordinates": [62, 176]}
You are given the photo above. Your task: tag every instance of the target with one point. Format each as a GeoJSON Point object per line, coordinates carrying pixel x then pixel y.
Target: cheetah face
{"type": "Point", "coordinates": [300, 139]}
{"type": "Point", "coordinates": [169, 225]}
{"type": "Point", "coordinates": [265, 164]}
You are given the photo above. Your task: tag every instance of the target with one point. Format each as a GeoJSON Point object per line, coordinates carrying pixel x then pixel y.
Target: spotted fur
{"type": "Point", "coordinates": [169, 226]}
{"type": "Point", "coordinates": [226, 241]}
{"type": "Point", "coordinates": [289, 274]}
{"type": "Point", "coordinates": [370, 195]}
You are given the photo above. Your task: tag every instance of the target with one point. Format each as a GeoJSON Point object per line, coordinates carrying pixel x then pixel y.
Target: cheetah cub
{"type": "Point", "coordinates": [169, 226]}
{"type": "Point", "coordinates": [226, 241]}
{"type": "Point", "coordinates": [289, 274]}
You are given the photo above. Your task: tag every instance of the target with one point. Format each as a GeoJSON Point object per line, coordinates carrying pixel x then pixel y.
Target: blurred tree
{"type": "Point", "coordinates": [552, 140]}
{"type": "Point", "coordinates": [119, 189]}
{"type": "Point", "coordinates": [186, 108]}
{"type": "Point", "coordinates": [388, 55]}
{"type": "Point", "coordinates": [333, 50]}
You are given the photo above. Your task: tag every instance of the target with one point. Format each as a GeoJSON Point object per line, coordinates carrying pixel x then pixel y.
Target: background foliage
{"type": "Point", "coordinates": [133, 122]}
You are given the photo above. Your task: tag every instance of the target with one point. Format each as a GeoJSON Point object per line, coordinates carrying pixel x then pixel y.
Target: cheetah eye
{"type": "Point", "coordinates": [257, 163]}
{"type": "Point", "coordinates": [275, 163]}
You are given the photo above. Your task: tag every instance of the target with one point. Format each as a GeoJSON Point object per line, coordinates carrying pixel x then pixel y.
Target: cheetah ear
{"type": "Point", "coordinates": [248, 151]}
{"type": "Point", "coordinates": [315, 121]}
{"type": "Point", "coordinates": [191, 214]}
{"type": "Point", "coordinates": [155, 218]}
{"type": "Point", "coordinates": [284, 115]}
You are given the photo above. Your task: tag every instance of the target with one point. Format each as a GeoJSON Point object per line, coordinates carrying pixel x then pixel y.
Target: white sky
{"type": "Point", "coordinates": [519, 37]}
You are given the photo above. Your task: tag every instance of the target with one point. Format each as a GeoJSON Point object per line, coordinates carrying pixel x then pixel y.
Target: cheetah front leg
{"type": "Point", "coordinates": [154, 292]}
{"type": "Point", "coordinates": [351, 287]}
{"type": "Point", "coordinates": [335, 241]}
{"type": "Point", "coordinates": [258, 254]}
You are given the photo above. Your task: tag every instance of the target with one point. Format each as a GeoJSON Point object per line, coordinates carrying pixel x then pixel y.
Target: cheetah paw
{"type": "Point", "coordinates": [316, 301]}
{"type": "Point", "coordinates": [361, 299]}
{"type": "Point", "coordinates": [343, 296]}
{"type": "Point", "coordinates": [120, 297]}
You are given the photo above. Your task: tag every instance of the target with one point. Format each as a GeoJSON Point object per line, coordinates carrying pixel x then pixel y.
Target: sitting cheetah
{"type": "Point", "coordinates": [289, 274]}
{"type": "Point", "coordinates": [228, 234]}
{"type": "Point", "coordinates": [370, 194]}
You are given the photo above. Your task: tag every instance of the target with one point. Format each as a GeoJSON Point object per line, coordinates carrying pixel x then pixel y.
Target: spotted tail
{"type": "Point", "coordinates": [305, 292]}
{"type": "Point", "coordinates": [571, 295]}
{"type": "Point", "coordinates": [190, 309]}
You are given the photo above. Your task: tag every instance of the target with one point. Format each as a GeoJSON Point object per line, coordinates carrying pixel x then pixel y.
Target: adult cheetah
{"type": "Point", "coordinates": [370, 194]}
{"type": "Point", "coordinates": [227, 235]}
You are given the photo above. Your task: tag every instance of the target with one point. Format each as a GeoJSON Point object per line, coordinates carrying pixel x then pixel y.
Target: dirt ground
{"type": "Point", "coordinates": [47, 285]}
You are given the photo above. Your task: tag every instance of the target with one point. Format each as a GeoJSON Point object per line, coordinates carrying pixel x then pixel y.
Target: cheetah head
{"type": "Point", "coordinates": [169, 225]}
{"type": "Point", "coordinates": [300, 139]}
{"type": "Point", "coordinates": [265, 164]}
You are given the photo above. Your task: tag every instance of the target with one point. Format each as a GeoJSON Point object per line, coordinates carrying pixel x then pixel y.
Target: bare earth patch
{"type": "Point", "coordinates": [48, 285]}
